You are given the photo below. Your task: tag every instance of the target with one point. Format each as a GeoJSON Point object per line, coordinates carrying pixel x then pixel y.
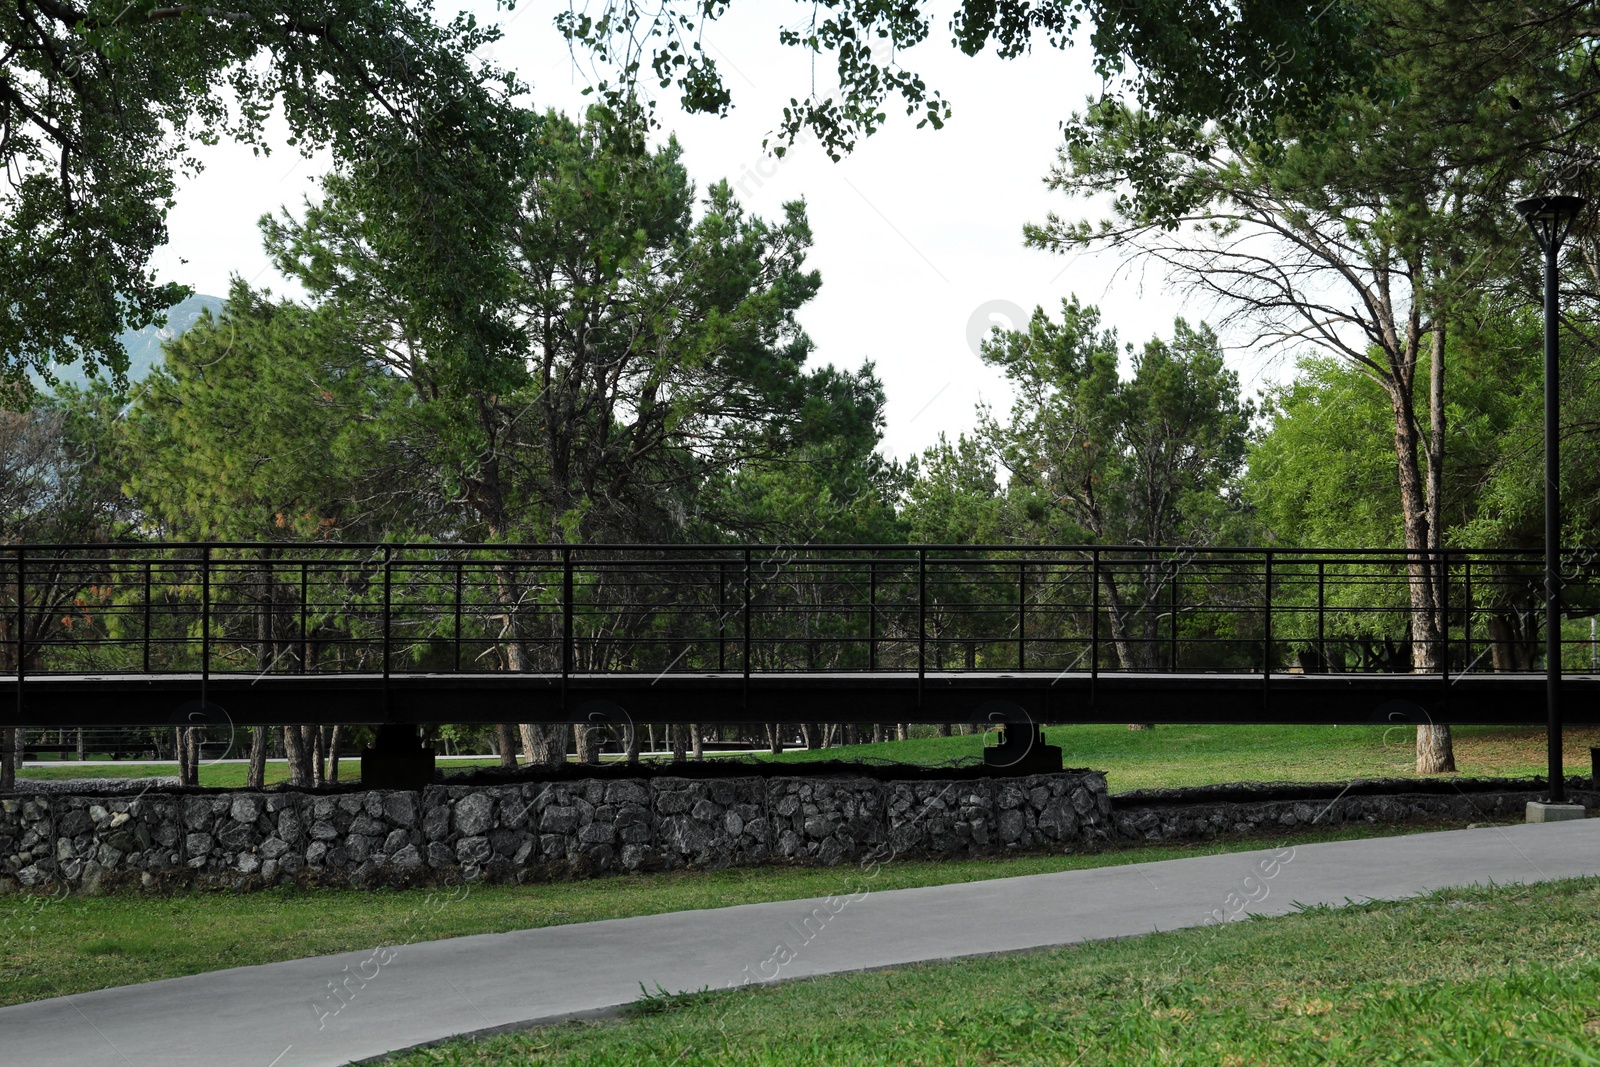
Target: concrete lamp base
{"type": "Point", "coordinates": [1539, 811]}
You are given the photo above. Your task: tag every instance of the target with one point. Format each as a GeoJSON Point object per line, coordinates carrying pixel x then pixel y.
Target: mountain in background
{"type": "Point", "coordinates": [144, 346]}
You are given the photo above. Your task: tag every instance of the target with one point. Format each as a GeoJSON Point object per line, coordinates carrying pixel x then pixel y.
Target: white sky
{"type": "Point", "coordinates": [915, 234]}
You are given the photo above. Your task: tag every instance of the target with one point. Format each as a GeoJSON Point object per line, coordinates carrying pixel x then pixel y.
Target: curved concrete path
{"type": "Point", "coordinates": [287, 1014]}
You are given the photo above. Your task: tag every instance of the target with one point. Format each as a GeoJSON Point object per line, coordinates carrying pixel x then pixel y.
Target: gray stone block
{"type": "Point", "coordinates": [406, 859]}
{"type": "Point", "coordinates": [245, 808]}
{"type": "Point", "coordinates": [400, 809]}
{"type": "Point", "coordinates": [473, 815]}
{"type": "Point", "coordinates": [1542, 811]}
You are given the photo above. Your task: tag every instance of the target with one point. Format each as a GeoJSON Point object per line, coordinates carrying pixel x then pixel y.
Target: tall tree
{"type": "Point", "coordinates": [1146, 460]}
{"type": "Point", "coordinates": [57, 486]}
{"type": "Point", "coordinates": [1313, 242]}
{"type": "Point", "coordinates": [831, 486]}
{"type": "Point", "coordinates": [955, 495]}
{"type": "Point", "coordinates": [611, 352]}
{"type": "Point", "coordinates": [101, 101]}
{"type": "Point", "coordinates": [624, 351]}
{"type": "Point", "coordinates": [1367, 235]}
{"type": "Point", "coordinates": [270, 422]}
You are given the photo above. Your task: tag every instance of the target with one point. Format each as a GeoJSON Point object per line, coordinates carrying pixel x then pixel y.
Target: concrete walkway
{"type": "Point", "coordinates": [286, 1014]}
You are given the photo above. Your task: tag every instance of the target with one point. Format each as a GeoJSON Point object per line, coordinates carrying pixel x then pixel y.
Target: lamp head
{"type": "Point", "coordinates": [1550, 217]}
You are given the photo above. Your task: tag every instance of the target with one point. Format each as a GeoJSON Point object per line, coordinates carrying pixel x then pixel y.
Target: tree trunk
{"type": "Point", "coordinates": [633, 746]}
{"type": "Point", "coordinates": [182, 750]}
{"type": "Point", "coordinates": [506, 737]}
{"type": "Point", "coordinates": [256, 777]}
{"type": "Point", "coordinates": [542, 746]}
{"type": "Point", "coordinates": [879, 734]}
{"type": "Point", "coordinates": [308, 745]}
{"type": "Point", "coordinates": [1127, 658]}
{"type": "Point", "coordinates": [775, 738]}
{"type": "Point", "coordinates": [1119, 625]}
{"type": "Point", "coordinates": [1435, 754]}
{"type": "Point", "coordinates": [1435, 458]}
{"type": "Point", "coordinates": [319, 756]}
{"type": "Point", "coordinates": [680, 749]}
{"type": "Point", "coordinates": [335, 744]}
{"type": "Point", "coordinates": [585, 743]}
{"type": "Point", "coordinates": [294, 749]}
{"type": "Point", "coordinates": [1509, 646]}
{"type": "Point", "coordinates": [697, 743]}
{"type": "Point", "coordinates": [545, 746]}
{"type": "Point", "coordinates": [1434, 749]}
{"type": "Point", "coordinates": [900, 731]}
{"type": "Point", "coordinates": [82, 753]}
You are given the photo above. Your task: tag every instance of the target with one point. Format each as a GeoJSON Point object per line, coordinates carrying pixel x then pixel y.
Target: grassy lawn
{"type": "Point", "coordinates": [51, 947]}
{"type": "Point", "coordinates": [230, 775]}
{"type": "Point", "coordinates": [1464, 977]}
{"type": "Point", "coordinates": [1170, 756]}
{"type": "Point", "coordinates": [1165, 756]}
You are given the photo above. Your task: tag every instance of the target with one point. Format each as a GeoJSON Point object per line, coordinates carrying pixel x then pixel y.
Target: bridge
{"type": "Point", "coordinates": [134, 634]}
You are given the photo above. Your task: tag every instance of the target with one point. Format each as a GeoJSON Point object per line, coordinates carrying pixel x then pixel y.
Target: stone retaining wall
{"type": "Point", "coordinates": [1209, 819]}
{"type": "Point", "coordinates": [530, 832]}
{"type": "Point", "coordinates": [446, 834]}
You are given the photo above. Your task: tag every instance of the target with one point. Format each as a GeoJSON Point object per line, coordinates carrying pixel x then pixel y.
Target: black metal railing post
{"type": "Point", "coordinates": [1094, 624]}
{"type": "Point", "coordinates": [872, 615]}
{"type": "Point", "coordinates": [1022, 615]}
{"type": "Point", "coordinates": [22, 623]}
{"type": "Point", "coordinates": [1172, 620]}
{"type": "Point", "coordinates": [456, 611]}
{"type": "Point", "coordinates": [922, 620]}
{"type": "Point", "coordinates": [205, 624]}
{"type": "Point", "coordinates": [1466, 619]}
{"type": "Point", "coordinates": [722, 616]}
{"type": "Point", "coordinates": [305, 616]}
{"type": "Point", "coordinates": [1266, 631]}
{"type": "Point", "coordinates": [388, 603]}
{"type": "Point", "coordinates": [266, 634]}
{"type": "Point", "coordinates": [1444, 617]}
{"type": "Point", "coordinates": [744, 697]}
{"type": "Point", "coordinates": [1322, 622]}
{"type": "Point", "coordinates": [145, 658]}
{"type": "Point", "coordinates": [567, 613]}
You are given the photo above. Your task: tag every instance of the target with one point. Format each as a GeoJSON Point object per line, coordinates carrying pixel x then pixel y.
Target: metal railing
{"type": "Point", "coordinates": [394, 609]}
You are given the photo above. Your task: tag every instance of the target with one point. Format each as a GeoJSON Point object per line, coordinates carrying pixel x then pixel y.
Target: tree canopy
{"type": "Point", "coordinates": [102, 102]}
{"type": "Point", "coordinates": [1242, 66]}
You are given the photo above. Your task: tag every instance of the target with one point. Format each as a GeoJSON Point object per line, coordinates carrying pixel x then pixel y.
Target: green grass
{"type": "Point", "coordinates": [1482, 977]}
{"type": "Point", "coordinates": [1172, 756]}
{"type": "Point", "coordinates": [1163, 757]}
{"type": "Point", "coordinates": [219, 775]}
{"type": "Point", "coordinates": [51, 947]}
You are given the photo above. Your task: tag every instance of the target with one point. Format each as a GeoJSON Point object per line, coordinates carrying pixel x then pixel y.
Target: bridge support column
{"type": "Point", "coordinates": [397, 761]}
{"type": "Point", "coordinates": [1022, 751]}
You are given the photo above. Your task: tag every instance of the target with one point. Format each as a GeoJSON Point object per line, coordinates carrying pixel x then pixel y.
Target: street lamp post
{"type": "Point", "coordinates": [1551, 219]}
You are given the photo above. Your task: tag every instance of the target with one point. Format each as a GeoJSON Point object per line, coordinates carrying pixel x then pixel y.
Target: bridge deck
{"type": "Point", "coordinates": [428, 633]}
{"type": "Point", "coordinates": [1076, 697]}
